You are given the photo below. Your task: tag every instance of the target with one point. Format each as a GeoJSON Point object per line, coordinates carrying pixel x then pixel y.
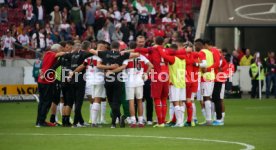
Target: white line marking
{"type": "Point", "coordinates": [247, 146]}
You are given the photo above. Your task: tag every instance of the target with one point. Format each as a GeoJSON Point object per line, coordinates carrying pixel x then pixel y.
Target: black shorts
{"type": "Point", "coordinates": [67, 91]}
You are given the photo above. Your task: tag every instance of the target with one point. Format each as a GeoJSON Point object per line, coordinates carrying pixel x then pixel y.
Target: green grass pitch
{"type": "Point", "coordinates": [249, 124]}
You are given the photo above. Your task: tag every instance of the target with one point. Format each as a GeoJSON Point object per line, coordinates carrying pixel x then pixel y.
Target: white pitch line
{"type": "Point", "coordinates": [247, 146]}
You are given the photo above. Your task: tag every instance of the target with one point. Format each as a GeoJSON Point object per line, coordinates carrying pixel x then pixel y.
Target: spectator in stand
{"type": "Point", "coordinates": [39, 41]}
{"type": "Point", "coordinates": [90, 14]}
{"type": "Point", "coordinates": [173, 7]}
{"type": "Point", "coordinates": [241, 53]}
{"type": "Point", "coordinates": [189, 20]}
{"type": "Point", "coordinates": [48, 29]}
{"type": "Point", "coordinates": [191, 33]}
{"type": "Point", "coordinates": [271, 74]}
{"type": "Point", "coordinates": [246, 59]}
{"type": "Point", "coordinates": [3, 14]}
{"type": "Point", "coordinates": [167, 19]}
{"type": "Point", "coordinates": [65, 14]}
{"type": "Point", "coordinates": [28, 11]}
{"type": "Point", "coordinates": [49, 41]}
{"type": "Point", "coordinates": [64, 30]}
{"type": "Point", "coordinates": [13, 30]}
{"type": "Point", "coordinates": [143, 12]}
{"type": "Point", "coordinates": [24, 39]}
{"type": "Point", "coordinates": [103, 34]}
{"type": "Point", "coordinates": [55, 36]}
{"type": "Point", "coordinates": [56, 17]}
{"type": "Point", "coordinates": [77, 18]}
{"type": "Point", "coordinates": [164, 8]}
{"type": "Point", "coordinates": [117, 14]}
{"type": "Point", "coordinates": [8, 45]}
{"type": "Point", "coordinates": [89, 34]}
{"type": "Point", "coordinates": [117, 35]}
{"type": "Point", "coordinates": [20, 28]}
{"type": "Point", "coordinates": [159, 32]}
{"type": "Point", "coordinates": [72, 31]}
{"type": "Point", "coordinates": [234, 59]}
{"type": "Point", "coordinates": [39, 12]}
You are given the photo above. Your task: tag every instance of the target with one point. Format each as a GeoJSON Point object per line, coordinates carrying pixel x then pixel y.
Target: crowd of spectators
{"type": "Point", "coordinates": [46, 23]}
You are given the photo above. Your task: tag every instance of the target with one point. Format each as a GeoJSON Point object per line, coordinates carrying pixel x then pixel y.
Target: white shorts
{"type": "Point", "coordinates": [193, 96]}
{"type": "Point", "coordinates": [222, 91]}
{"type": "Point", "coordinates": [96, 91]}
{"type": "Point", "coordinates": [177, 94]}
{"type": "Point", "coordinates": [207, 88]}
{"type": "Point", "coordinates": [134, 92]}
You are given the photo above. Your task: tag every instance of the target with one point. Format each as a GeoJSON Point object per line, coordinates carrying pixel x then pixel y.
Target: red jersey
{"type": "Point", "coordinates": [159, 64]}
{"type": "Point", "coordinates": [217, 58]}
{"type": "Point", "coordinates": [48, 61]}
{"type": "Point", "coordinates": [191, 70]}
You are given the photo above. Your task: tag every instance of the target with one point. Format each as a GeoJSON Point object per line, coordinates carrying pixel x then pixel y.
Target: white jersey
{"type": "Point", "coordinates": [8, 42]}
{"type": "Point", "coordinates": [41, 40]}
{"type": "Point", "coordinates": [29, 10]}
{"type": "Point", "coordinates": [23, 39]}
{"type": "Point", "coordinates": [94, 75]}
{"type": "Point", "coordinates": [135, 70]}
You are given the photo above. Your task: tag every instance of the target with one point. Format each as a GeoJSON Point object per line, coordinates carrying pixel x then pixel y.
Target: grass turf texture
{"type": "Point", "coordinates": [247, 121]}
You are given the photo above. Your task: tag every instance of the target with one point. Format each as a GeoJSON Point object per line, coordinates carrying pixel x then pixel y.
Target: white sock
{"type": "Point", "coordinates": [203, 112]}
{"type": "Point", "coordinates": [103, 110]}
{"type": "Point", "coordinates": [140, 119]}
{"type": "Point", "coordinates": [208, 109]}
{"type": "Point", "coordinates": [95, 111]}
{"type": "Point", "coordinates": [171, 111]}
{"type": "Point", "coordinates": [182, 109]}
{"type": "Point", "coordinates": [177, 113]}
{"type": "Point", "coordinates": [73, 108]}
{"type": "Point", "coordinates": [213, 111]}
{"type": "Point", "coordinates": [194, 112]}
{"type": "Point", "coordinates": [90, 110]}
{"type": "Point", "coordinates": [144, 111]}
{"type": "Point", "coordinates": [223, 115]}
{"type": "Point", "coordinates": [61, 108]}
{"type": "Point", "coordinates": [57, 111]}
{"type": "Point", "coordinates": [133, 119]}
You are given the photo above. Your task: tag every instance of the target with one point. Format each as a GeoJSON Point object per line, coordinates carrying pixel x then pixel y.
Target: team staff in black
{"type": "Point", "coordinates": [66, 88]}
{"type": "Point", "coordinates": [113, 77]}
{"type": "Point", "coordinates": [78, 82]}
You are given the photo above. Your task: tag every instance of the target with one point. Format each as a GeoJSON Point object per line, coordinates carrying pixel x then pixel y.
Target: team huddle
{"type": "Point", "coordinates": [133, 77]}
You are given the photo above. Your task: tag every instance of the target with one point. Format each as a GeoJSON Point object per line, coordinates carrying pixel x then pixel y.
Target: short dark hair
{"type": "Point", "coordinates": [159, 40]}
{"type": "Point", "coordinates": [63, 43]}
{"type": "Point", "coordinates": [199, 41]}
{"type": "Point", "coordinates": [132, 45]}
{"type": "Point", "coordinates": [115, 45]}
{"type": "Point", "coordinates": [85, 45]}
{"type": "Point", "coordinates": [174, 46]}
{"type": "Point", "coordinates": [70, 43]}
{"type": "Point", "coordinates": [207, 41]}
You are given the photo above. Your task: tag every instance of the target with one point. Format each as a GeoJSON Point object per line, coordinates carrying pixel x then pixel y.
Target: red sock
{"type": "Point", "coordinates": [158, 110]}
{"type": "Point", "coordinates": [174, 118]}
{"type": "Point", "coordinates": [164, 109]}
{"type": "Point", "coordinates": [189, 107]}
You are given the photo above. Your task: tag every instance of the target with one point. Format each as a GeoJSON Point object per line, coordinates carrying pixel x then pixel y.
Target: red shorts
{"type": "Point", "coordinates": [191, 87]}
{"type": "Point", "coordinates": [194, 87]}
{"type": "Point", "coordinates": [159, 89]}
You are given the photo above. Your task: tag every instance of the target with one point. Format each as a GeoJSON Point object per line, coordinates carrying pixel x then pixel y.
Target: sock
{"type": "Point", "coordinates": [52, 119]}
{"type": "Point", "coordinates": [171, 111]}
{"type": "Point", "coordinates": [182, 109]}
{"type": "Point", "coordinates": [203, 112]}
{"type": "Point", "coordinates": [177, 113]}
{"type": "Point", "coordinates": [140, 119]}
{"type": "Point", "coordinates": [223, 115]}
{"type": "Point", "coordinates": [73, 108]}
{"type": "Point", "coordinates": [194, 112]}
{"type": "Point", "coordinates": [158, 110]}
{"type": "Point", "coordinates": [208, 109]}
{"type": "Point", "coordinates": [133, 119]}
{"type": "Point", "coordinates": [164, 109]}
{"type": "Point", "coordinates": [61, 108]}
{"type": "Point", "coordinates": [95, 111]}
{"type": "Point", "coordinates": [213, 111]}
{"type": "Point", "coordinates": [103, 110]}
{"type": "Point", "coordinates": [63, 120]}
{"type": "Point", "coordinates": [189, 107]}
{"type": "Point", "coordinates": [56, 116]}
{"type": "Point", "coordinates": [90, 112]}
{"type": "Point", "coordinates": [144, 111]}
